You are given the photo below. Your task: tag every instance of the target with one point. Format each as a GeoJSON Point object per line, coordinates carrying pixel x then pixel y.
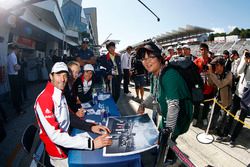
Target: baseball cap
{"type": "Point", "coordinates": [59, 67]}
{"type": "Point", "coordinates": [85, 40]}
{"type": "Point", "coordinates": [179, 47]}
{"type": "Point", "coordinates": [170, 47]}
{"type": "Point", "coordinates": [153, 48]}
{"type": "Point", "coordinates": [88, 67]}
{"type": "Point", "coordinates": [218, 60]}
{"type": "Point", "coordinates": [186, 46]}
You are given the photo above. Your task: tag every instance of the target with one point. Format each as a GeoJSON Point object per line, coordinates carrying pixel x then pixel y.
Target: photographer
{"type": "Point", "coordinates": [222, 79]}
{"type": "Point", "coordinates": [235, 63]}
{"type": "Point", "coordinates": [243, 71]}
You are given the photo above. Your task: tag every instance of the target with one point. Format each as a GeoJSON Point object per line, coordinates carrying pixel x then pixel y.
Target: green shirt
{"type": "Point", "coordinates": [173, 86]}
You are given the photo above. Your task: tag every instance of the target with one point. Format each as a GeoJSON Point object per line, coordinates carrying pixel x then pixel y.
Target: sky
{"type": "Point", "coordinates": [130, 22]}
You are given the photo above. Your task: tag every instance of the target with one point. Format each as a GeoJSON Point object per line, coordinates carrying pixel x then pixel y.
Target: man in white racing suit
{"type": "Point", "coordinates": [52, 114]}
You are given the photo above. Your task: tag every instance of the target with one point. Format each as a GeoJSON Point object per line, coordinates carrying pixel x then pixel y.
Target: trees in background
{"type": "Point", "coordinates": [242, 33]}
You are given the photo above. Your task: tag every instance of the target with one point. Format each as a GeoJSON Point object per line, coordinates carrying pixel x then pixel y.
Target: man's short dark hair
{"type": "Point", "coordinates": [14, 46]}
{"type": "Point", "coordinates": [129, 47]}
{"type": "Point", "coordinates": [204, 45]}
{"type": "Point", "coordinates": [225, 52]}
{"type": "Point", "coordinates": [109, 44]}
{"type": "Point", "coordinates": [235, 52]}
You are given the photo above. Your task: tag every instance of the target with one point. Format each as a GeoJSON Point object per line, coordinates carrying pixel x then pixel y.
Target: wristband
{"type": "Point", "coordinates": [90, 144]}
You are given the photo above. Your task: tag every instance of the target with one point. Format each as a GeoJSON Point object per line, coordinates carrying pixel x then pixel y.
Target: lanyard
{"type": "Point", "coordinates": [156, 86]}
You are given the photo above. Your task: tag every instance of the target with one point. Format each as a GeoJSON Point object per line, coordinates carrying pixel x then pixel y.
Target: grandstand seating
{"type": "Point", "coordinates": [218, 48]}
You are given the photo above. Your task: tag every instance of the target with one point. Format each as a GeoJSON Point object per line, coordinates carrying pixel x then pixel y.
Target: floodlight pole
{"type": "Point", "coordinates": [158, 19]}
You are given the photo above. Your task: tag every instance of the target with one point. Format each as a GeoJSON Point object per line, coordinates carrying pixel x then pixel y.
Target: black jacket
{"type": "Point", "coordinates": [78, 89]}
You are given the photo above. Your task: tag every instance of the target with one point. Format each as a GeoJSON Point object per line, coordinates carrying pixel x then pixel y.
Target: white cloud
{"type": "Point", "coordinates": [230, 28]}
{"type": "Point", "coordinates": [218, 30]}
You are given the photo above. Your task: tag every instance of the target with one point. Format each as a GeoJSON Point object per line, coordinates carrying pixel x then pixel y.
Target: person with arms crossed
{"type": "Point", "coordinates": [85, 55]}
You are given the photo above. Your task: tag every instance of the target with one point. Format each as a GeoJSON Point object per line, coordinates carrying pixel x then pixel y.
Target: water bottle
{"type": "Point", "coordinates": [155, 110]}
{"type": "Point", "coordinates": [94, 97]}
{"type": "Point", "coordinates": [103, 116]}
{"type": "Point", "coordinates": [104, 88]}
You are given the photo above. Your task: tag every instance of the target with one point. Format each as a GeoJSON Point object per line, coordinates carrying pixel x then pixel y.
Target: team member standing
{"type": "Point", "coordinates": [53, 119]}
{"type": "Point", "coordinates": [85, 55]}
{"type": "Point", "coordinates": [13, 69]}
{"type": "Point", "coordinates": [126, 66]}
{"type": "Point", "coordinates": [112, 62]}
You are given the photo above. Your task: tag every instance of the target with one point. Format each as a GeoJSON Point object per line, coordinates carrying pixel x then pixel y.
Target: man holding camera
{"type": "Point", "coordinates": [222, 79]}
{"type": "Point", "coordinates": [243, 71]}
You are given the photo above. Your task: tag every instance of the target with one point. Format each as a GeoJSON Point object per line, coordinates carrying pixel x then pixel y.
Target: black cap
{"type": "Point", "coordinates": [218, 60]}
{"type": "Point", "coordinates": [151, 46]}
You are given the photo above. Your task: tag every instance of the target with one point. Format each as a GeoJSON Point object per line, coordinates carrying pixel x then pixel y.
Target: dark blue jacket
{"type": "Point", "coordinates": [106, 62]}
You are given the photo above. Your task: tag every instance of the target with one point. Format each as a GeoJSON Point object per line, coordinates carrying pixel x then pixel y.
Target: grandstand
{"type": "Point", "coordinates": [194, 35]}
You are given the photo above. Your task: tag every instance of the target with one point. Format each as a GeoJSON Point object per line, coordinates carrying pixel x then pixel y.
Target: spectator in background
{"type": "Point", "coordinates": [126, 66]}
{"type": "Point", "coordinates": [170, 50]}
{"type": "Point", "coordinates": [52, 115]}
{"type": "Point", "coordinates": [222, 79]}
{"type": "Point", "coordinates": [179, 50]}
{"type": "Point", "coordinates": [235, 63]}
{"type": "Point", "coordinates": [211, 55]}
{"type": "Point", "coordinates": [244, 72]}
{"type": "Point", "coordinates": [228, 61]}
{"type": "Point", "coordinates": [208, 91]}
{"type": "Point", "coordinates": [112, 63]}
{"type": "Point", "coordinates": [85, 55]}
{"type": "Point", "coordinates": [139, 74]}
{"type": "Point", "coordinates": [84, 84]}
{"type": "Point", "coordinates": [187, 52]}
{"type": "Point", "coordinates": [3, 113]}
{"type": "Point", "coordinates": [49, 61]}
{"type": "Point", "coordinates": [15, 89]}
{"type": "Point", "coordinates": [55, 56]}
{"type": "Point", "coordinates": [21, 74]}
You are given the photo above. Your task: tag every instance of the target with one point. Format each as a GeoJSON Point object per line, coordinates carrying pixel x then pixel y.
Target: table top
{"type": "Point", "coordinates": [95, 157]}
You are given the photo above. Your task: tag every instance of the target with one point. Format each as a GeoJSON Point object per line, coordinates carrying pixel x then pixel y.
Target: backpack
{"type": "Point", "coordinates": [190, 73]}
